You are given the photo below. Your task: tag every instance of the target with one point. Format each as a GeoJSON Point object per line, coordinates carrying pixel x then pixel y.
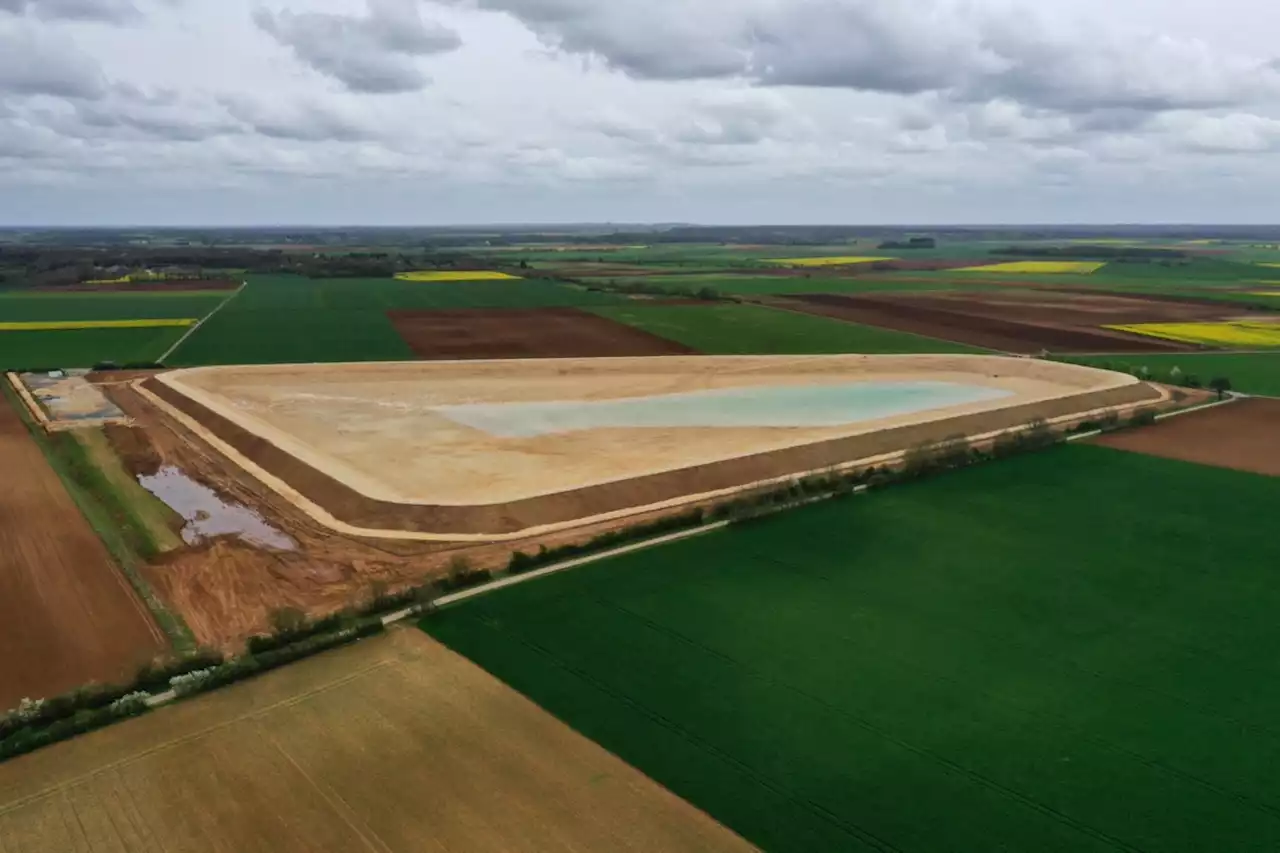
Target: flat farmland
{"type": "Point", "coordinates": [1021, 321]}
{"type": "Point", "coordinates": [752, 329]}
{"type": "Point", "coordinates": [1251, 373]}
{"type": "Point", "coordinates": [22, 350]}
{"type": "Point", "coordinates": [782, 285]}
{"type": "Point", "coordinates": [956, 664]}
{"type": "Point", "coordinates": [67, 615]}
{"type": "Point", "coordinates": [1244, 435]}
{"type": "Point", "coordinates": [290, 319]}
{"type": "Point", "coordinates": [529, 333]}
{"type": "Point", "coordinates": [394, 744]}
{"type": "Point", "coordinates": [51, 307]}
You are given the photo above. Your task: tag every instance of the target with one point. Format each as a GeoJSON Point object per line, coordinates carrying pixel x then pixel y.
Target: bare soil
{"type": "Point", "coordinates": [1014, 320]}
{"type": "Point", "coordinates": [226, 590]}
{"type": "Point", "coordinates": [1244, 435]}
{"type": "Point", "coordinates": [532, 333]}
{"type": "Point", "coordinates": [354, 508]}
{"type": "Point", "coordinates": [394, 744]}
{"type": "Point", "coordinates": [67, 614]}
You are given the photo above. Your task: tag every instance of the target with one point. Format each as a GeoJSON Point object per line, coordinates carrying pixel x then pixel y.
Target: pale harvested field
{"type": "Point", "coordinates": [377, 428]}
{"type": "Point", "coordinates": [395, 744]}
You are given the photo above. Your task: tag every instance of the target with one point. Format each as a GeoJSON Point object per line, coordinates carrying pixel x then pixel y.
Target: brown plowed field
{"type": "Point", "coordinates": [1244, 435]}
{"type": "Point", "coordinates": [1012, 320]}
{"type": "Point", "coordinates": [354, 508]}
{"type": "Point", "coordinates": [178, 285]}
{"type": "Point", "coordinates": [392, 745]}
{"type": "Point", "coordinates": [531, 333]}
{"type": "Point", "coordinates": [67, 615]}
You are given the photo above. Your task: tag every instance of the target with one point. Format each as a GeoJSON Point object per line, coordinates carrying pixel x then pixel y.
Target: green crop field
{"type": "Point", "coordinates": [16, 306]}
{"type": "Point", "coordinates": [1250, 373]}
{"type": "Point", "coordinates": [749, 285]}
{"type": "Point", "coordinates": [1068, 651]}
{"type": "Point", "coordinates": [753, 329]}
{"type": "Point", "coordinates": [68, 348]}
{"type": "Point", "coordinates": [286, 319]}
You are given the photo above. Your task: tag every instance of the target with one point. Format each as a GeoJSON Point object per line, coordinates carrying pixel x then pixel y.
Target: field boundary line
{"type": "Point", "coordinates": [336, 803]}
{"type": "Point", "coordinates": [977, 350]}
{"type": "Point", "coordinates": [182, 340]}
{"type": "Point", "coordinates": [29, 400]}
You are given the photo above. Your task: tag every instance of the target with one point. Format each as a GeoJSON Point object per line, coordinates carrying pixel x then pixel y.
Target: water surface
{"type": "Point", "coordinates": [208, 515]}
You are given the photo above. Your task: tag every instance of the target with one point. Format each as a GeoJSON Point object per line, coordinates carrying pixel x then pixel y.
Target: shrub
{"type": "Point", "coordinates": [1143, 417]}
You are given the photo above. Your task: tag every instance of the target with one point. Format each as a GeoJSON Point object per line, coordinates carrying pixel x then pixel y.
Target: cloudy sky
{"type": "Point", "coordinates": [377, 112]}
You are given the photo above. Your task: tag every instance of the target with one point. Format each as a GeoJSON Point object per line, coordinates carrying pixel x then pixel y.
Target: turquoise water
{"type": "Point", "coordinates": [762, 406]}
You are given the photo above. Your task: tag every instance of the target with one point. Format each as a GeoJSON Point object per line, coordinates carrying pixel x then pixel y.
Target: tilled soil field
{"type": "Point", "coordinates": [394, 744]}
{"type": "Point", "coordinates": [1012, 321]}
{"type": "Point", "coordinates": [533, 333]}
{"type": "Point", "coordinates": [67, 615]}
{"type": "Point", "coordinates": [1242, 435]}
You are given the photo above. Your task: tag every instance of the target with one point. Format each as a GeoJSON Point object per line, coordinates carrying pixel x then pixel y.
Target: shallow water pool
{"type": "Point", "coordinates": [760, 406]}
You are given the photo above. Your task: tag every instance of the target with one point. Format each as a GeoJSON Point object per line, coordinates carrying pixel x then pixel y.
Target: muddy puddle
{"type": "Point", "coordinates": [208, 515]}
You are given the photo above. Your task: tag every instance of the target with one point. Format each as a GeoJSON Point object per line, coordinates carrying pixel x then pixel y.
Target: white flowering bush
{"type": "Point", "coordinates": [191, 682]}
{"type": "Point", "coordinates": [131, 703]}
{"type": "Point", "coordinates": [27, 710]}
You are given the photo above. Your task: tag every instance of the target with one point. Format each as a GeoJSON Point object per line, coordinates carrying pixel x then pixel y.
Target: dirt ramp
{"type": "Point", "coordinates": [531, 333]}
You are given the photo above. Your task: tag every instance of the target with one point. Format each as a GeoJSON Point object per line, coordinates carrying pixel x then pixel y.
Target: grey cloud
{"type": "Point", "coordinates": [968, 52]}
{"type": "Point", "coordinates": [105, 11]}
{"type": "Point", "coordinates": [33, 62]}
{"type": "Point", "coordinates": [374, 53]}
{"type": "Point", "coordinates": [305, 122]}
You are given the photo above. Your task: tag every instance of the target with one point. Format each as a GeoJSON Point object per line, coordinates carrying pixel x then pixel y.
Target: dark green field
{"type": "Point", "coordinates": [290, 319]}
{"type": "Point", "coordinates": [84, 347]}
{"type": "Point", "coordinates": [1070, 651]}
{"type": "Point", "coordinates": [1251, 373]}
{"type": "Point", "coordinates": [754, 329]}
{"type": "Point", "coordinates": [749, 285]}
{"type": "Point", "coordinates": [39, 307]}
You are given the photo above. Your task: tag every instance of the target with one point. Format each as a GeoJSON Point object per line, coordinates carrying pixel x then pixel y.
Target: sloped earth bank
{"type": "Point", "coordinates": [1244, 435]}
{"type": "Point", "coordinates": [226, 589]}
{"type": "Point", "coordinates": [349, 506]}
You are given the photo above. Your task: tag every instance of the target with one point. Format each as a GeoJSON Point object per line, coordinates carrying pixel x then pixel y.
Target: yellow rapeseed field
{"type": "Point", "coordinates": [1237, 334]}
{"type": "Point", "coordinates": [124, 280]}
{"type": "Point", "coordinates": [456, 275]}
{"type": "Point", "coordinates": [1039, 267]}
{"type": "Point", "coordinates": [1269, 266]}
{"type": "Point", "coordinates": [63, 325]}
{"type": "Point", "coordinates": [826, 262]}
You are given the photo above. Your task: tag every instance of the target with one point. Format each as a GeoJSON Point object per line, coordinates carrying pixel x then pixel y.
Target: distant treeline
{"type": "Point", "coordinates": [1093, 253]}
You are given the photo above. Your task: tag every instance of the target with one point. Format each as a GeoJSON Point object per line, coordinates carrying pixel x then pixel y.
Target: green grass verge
{"type": "Point", "coordinates": [68, 348]}
{"type": "Point", "coordinates": [1067, 651]}
{"type": "Point", "coordinates": [1250, 373]}
{"type": "Point", "coordinates": [148, 519]}
{"type": "Point", "coordinates": [721, 329]}
{"type": "Point", "coordinates": [112, 517]}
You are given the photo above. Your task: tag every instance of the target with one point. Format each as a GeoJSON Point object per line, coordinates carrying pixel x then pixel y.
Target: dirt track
{"type": "Point", "coordinates": [67, 615]}
{"type": "Point", "coordinates": [354, 508]}
{"type": "Point", "coordinates": [1014, 321]}
{"type": "Point", "coordinates": [1244, 435]}
{"type": "Point", "coordinates": [531, 333]}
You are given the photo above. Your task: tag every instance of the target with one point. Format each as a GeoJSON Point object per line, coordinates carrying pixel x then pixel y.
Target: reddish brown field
{"type": "Point", "coordinates": [1244, 435]}
{"type": "Point", "coordinates": [1019, 321]}
{"type": "Point", "coordinates": [133, 287]}
{"type": "Point", "coordinates": [67, 615]}
{"type": "Point", "coordinates": [529, 333]}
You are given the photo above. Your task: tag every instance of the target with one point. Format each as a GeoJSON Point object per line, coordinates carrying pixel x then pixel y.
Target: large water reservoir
{"type": "Point", "coordinates": [760, 406]}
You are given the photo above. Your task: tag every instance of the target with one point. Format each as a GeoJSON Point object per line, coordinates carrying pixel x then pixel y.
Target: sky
{"type": "Point", "coordinates": [406, 112]}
